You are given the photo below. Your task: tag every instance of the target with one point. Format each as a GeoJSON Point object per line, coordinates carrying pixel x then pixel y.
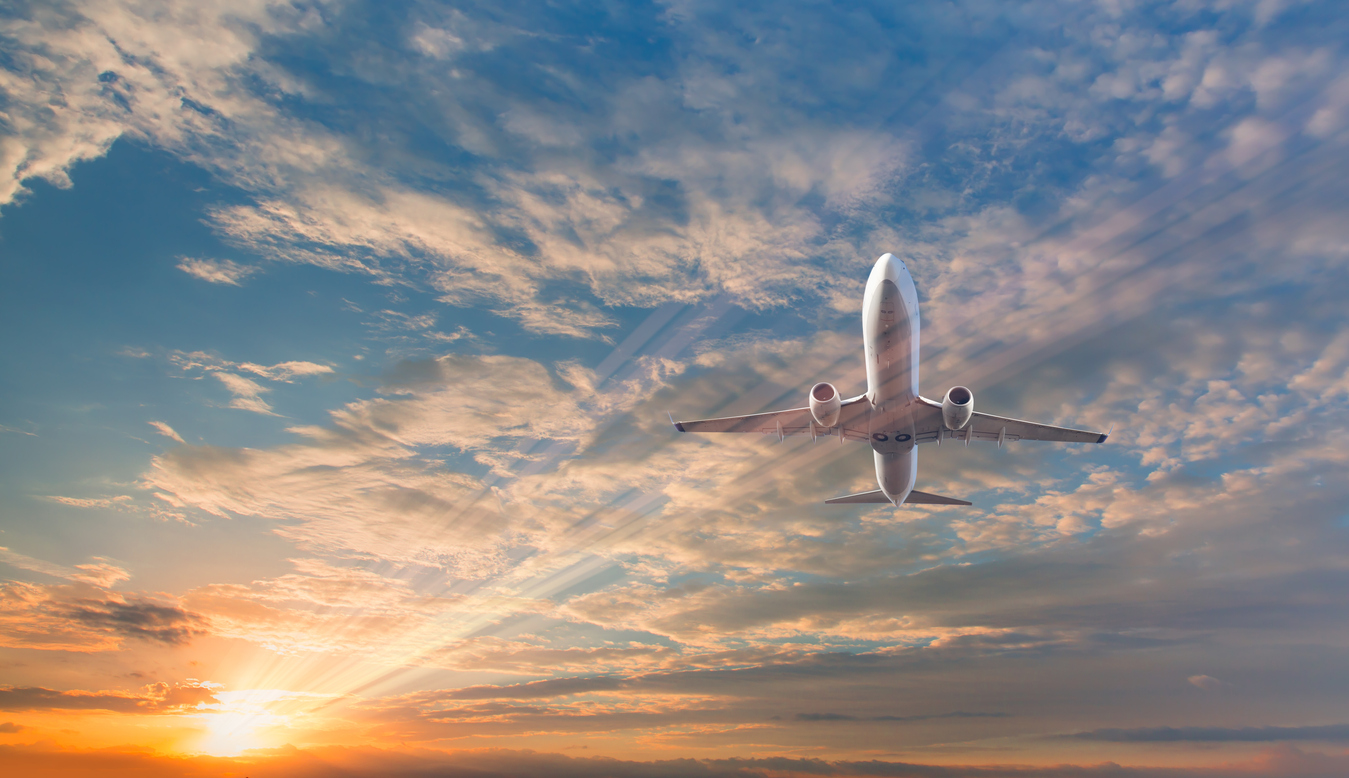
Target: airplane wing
{"type": "Point", "coordinates": [1000, 429]}
{"type": "Point", "coordinates": [852, 422]}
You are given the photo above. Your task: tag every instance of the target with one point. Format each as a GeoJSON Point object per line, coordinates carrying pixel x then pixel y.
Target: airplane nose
{"type": "Point", "coordinates": [890, 264]}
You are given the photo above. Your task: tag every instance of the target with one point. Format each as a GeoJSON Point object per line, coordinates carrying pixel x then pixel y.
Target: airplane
{"type": "Point", "coordinates": [891, 415]}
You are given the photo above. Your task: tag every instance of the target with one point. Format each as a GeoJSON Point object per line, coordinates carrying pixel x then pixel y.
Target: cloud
{"type": "Point", "coordinates": [216, 271]}
{"type": "Point", "coordinates": [286, 371]}
{"type": "Point", "coordinates": [190, 362]}
{"type": "Point", "coordinates": [430, 403]}
{"type": "Point", "coordinates": [247, 393]}
{"type": "Point", "coordinates": [137, 619]}
{"type": "Point", "coordinates": [91, 502]}
{"type": "Point", "coordinates": [84, 76]}
{"type": "Point", "coordinates": [1205, 682]}
{"type": "Point", "coordinates": [358, 483]}
{"type": "Point", "coordinates": [10, 728]}
{"type": "Point", "coordinates": [711, 181]}
{"type": "Point", "coordinates": [526, 658]}
{"type": "Point", "coordinates": [85, 618]}
{"type": "Point", "coordinates": [153, 698]}
{"type": "Point", "coordinates": [339, 610]}
{"type": "Point", "coordinates": [167, 431]}
{"type": "Point", "coordinates": [1328, 732]}
{"type": "Point", "coordinates": [101, 572]}
{"type": "Point", "coordinates": [496, 763]}
{"type": "Point", "coordinates": [847, 717]}
{"type": "Point", "coordinates": [1097, 206]}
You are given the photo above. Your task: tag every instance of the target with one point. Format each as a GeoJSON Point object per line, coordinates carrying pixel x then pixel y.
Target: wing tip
{"type": "Point", "coordinates": [1104, 435]}
{"type": "Point", "coordinates": [679, 426]}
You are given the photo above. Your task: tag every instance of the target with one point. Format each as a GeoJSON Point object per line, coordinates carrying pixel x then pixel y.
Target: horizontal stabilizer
{"type": "Point", "coordinates": [915, 498]}
{"type": "Point", "coordinates": [923, 498]}
{"type": "Point", "coordinates": [865, 497]}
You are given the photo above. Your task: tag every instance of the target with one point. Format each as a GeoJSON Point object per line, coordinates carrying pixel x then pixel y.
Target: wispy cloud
{"type": "Point", "coordinates": [100, 572]}
{"type": "Point", "coordinates": [92, 502]}
{"type": "Point", "coordinates": [164, 429]}
{"type": "Point", "coordinates": [216, 271]}
{"type": "Point", "coordinates": [247, 393]}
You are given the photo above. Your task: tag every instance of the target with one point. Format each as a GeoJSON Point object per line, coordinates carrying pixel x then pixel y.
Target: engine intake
{"type": "Point", "coordinates": [957, 407]}
{"type": "Point", "coordinates": [825, 404]}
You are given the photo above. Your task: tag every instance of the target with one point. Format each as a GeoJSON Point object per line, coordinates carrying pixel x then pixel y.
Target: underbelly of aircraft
{"type": "Point", "coordinates": [891, 431]}
{"type": "Point", "coordinates": [891, 425]}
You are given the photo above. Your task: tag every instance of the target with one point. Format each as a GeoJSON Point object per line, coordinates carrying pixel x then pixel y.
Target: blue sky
{"type": "Point", "coordinates": [340, 337]}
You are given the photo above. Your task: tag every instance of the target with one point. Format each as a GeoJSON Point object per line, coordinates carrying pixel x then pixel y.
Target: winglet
{"type": "Point", "coordinates": [676, 424]}
{"type": "Point", "coordinates": [1106, 434]}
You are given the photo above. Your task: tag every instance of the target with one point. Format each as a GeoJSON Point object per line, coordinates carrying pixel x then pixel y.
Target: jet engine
{"type": "Point", "coordinates": [957, 407]}
{"type": "Point", "coordinates": [825, 404]}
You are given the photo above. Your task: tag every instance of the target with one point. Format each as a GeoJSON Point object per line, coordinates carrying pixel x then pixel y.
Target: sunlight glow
{"type": "Point", "coordinates": [233, 727]}
{"type": "Point", "coordinates": [230, 734]}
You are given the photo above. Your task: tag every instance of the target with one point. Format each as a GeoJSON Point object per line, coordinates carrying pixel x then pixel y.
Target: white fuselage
{"type": "Point", "coordinates": [890, 335]}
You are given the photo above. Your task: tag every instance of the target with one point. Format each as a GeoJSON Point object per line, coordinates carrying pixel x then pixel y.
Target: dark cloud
{"type": "Point", "coordinates": [1328, 732]}
{"type": "Point", "coordinates": [537, 689]}
{"type": "Point", "coordinates": [141, 619]}
{"type": "Point", "coordinates": [960, 714]}
{"type": "Point", "coordinates": [9, 728]}
{"type": "Point", "coordinates": [824, 717]}
{"type": "Point", "coordinates": [38, 698]}
{"type": "Point", "coordinates": [154, 698]}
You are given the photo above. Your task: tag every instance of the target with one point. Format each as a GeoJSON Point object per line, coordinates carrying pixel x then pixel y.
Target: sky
{"type": "Point", "coordinates": [339, 342]}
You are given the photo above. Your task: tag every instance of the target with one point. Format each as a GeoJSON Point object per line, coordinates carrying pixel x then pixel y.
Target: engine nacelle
{"type": "Point", "coordinates": [825, 404]}
{"type": "Point", "coordinates": [957, 407]}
